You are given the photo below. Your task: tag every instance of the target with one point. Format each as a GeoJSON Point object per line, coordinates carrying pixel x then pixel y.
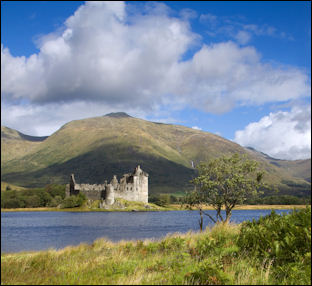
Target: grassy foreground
{"type": "Point", "coordinates": [226, 254]}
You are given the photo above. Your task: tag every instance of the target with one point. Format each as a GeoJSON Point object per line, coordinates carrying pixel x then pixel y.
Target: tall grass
{"type": "Point", "coordinates": [212, 257]}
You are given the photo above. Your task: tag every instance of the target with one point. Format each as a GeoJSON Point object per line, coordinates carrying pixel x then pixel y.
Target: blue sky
{"type": "Point", "coordinates": [238, 69]}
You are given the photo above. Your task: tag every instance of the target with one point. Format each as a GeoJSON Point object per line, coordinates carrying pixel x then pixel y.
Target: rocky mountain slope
{"type": "Point", "coordinates": [95, 149]}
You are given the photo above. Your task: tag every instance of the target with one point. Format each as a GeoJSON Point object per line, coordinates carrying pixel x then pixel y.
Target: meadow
{"type": "Point", "coordinates": [272, 250]}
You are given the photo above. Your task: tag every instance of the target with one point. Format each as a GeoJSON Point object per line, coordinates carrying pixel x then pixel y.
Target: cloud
{"type": "Point", "coordinates": [41, 120]}
{"type": "Point", "coordinates": [236, 29]}
{"type": "Point", "coordinates": [208, 18]}
{"type": "Point", "coordinates": [109, 55]}
{"type": "Point", "coordinates": [187, 13]}
{"type": "Point", "coordinates": [100, 56]}
{"type": "Point", "coordinates": [282, 135]}
{"type": "Point", "coordinates": [196, 128]}
{"type": "Point", "coordinates": [243, 37]}
{"type": "Point", "coordinates": [221, 76]}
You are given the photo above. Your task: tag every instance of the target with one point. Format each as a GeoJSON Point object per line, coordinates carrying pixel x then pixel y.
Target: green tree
{"type": "Point", "coordinates": [223, 183]}
{"type": "Point", "coordinates": [73, 201]}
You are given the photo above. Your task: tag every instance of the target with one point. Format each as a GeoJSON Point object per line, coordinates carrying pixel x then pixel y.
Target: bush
{"type": "Point", "coordinates": [163, 199]}
{"type": "Point", "coordinates": [32, 201]}
{"type": "Point", "coordinates": [285, 238]}
{"type": "Point", "coordinates": [157, 200]}
{"type": "Point", "coordinates": [55, 190]}
{"type": "Point", "coordinates": [284, 241]}
{"type": "Point", "coordinates": [73, 201]}
{"type": "Point", "coordinates": [56, 201]}
{"type": "Point", "coordinates": [12, 203]}
{"type": "Point", "coordinates": [280, 200]}
{"type": "Point", "coordinates": [9, 200]}
{"type": "Point", "coordinates": [209, 272]}
{"type": "Point", "coordinates": [51, 195]}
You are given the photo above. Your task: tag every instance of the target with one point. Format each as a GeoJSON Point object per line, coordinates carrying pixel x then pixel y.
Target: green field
{"type": "Point", "coordinates": [225, 255]}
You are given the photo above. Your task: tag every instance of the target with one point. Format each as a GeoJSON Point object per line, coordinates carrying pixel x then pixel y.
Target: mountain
{"type": "Point", "coordinates": [95, 149]}
{"type": "Point", "coordinates": [296, 168]}
{"type": "Point", "coordinates": [15, 144]}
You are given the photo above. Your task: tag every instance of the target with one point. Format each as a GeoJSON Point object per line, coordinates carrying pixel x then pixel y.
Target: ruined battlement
{"type": "Point", "coordinates": [132, 187]}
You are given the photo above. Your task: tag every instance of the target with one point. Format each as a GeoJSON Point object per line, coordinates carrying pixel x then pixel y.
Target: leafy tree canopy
{"type": "Point", "coordinates": [225, 182]}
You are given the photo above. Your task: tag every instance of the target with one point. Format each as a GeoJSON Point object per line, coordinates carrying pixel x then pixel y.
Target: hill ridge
{"type": "Point", "coordinates": [99, 147]}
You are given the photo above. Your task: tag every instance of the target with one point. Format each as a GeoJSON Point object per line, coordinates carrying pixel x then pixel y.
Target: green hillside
{"type": "Point", "coordinates": [15, 144]}
{"type": "Point", "coordinates": [95, 149]}
{"type": "Point", "coordinates": [5, 186]}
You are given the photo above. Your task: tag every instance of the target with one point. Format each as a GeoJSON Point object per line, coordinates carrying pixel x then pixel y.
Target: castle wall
{"type": "Point", "coordinates": [92, 195]}
{"type": "Point", "coordinates": [67, 191]}
{"type": "Point", "coordinates": [92, 192]}
{"type": "Point", "coordinates": [136, 191]}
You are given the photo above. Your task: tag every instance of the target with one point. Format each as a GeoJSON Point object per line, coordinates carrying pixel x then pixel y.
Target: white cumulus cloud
{"type": "Point", "coordinates": [117, 58]}
{"type": "Point", "coordinates": [282, 135]}
{"type": "Point", "coordinates": [196, 128]}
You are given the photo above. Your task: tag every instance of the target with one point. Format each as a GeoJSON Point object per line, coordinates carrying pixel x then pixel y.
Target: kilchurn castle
{"type": "Point", "coordinates": [132, 187]}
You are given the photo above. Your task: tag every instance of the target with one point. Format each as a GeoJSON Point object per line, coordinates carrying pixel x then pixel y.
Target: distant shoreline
{"type": "Point", "coordinates": [169, 208]}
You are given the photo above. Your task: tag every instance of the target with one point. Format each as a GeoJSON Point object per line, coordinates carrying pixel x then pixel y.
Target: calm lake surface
{"type": "Point", "coordinates": [22, 231]}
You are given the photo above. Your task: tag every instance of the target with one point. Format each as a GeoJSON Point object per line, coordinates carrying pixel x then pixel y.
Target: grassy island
{"type": "Point", "coordinates": [276, 249]}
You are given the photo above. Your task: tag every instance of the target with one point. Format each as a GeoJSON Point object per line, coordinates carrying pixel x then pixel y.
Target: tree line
{"type": "Point", "coordinates": [50, 196]}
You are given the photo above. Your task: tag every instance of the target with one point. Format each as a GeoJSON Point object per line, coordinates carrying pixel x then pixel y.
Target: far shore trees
{"type": "Point", "coordinates": [224, 183]}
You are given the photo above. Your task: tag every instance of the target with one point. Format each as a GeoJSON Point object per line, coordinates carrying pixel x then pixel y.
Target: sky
{"type": "Point", "coordinates": [238, 69]}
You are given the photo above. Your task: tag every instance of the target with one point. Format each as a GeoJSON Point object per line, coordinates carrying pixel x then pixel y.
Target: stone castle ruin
{"type": "Point", "coordinates": [132, 187]}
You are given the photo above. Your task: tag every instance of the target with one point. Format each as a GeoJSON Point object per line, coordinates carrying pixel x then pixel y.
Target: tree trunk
{"type": "Point", "coordinates": [219, 216]}
{"type": "Point", "coordinates": [228, 213]}
{"type": "Point", "coordinates": [201, 221]}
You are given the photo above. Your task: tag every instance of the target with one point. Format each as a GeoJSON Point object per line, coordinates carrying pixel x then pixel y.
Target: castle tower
{"type": "Point", "coordinates": [110, 194]}
{"type": "Point", "coordinates": [144, 187]}
{"type": "Point", "coordinates": [72, 186]}
{"type": "Point", "coordinates": [140, 180]}
{"type": "Point", "coordinates": [137, 171]}
{"type": "Point", "coordinates": [114, 182]}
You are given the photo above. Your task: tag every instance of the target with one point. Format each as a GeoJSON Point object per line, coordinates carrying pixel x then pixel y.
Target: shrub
{"type": "Point", "coordinates": [32, 201]}
{"type": "Point", "coordinates": [12, 203]}
{"type": "Point", "coordinates": [73, 201]}
{"type": "Point", "coordinates": [9, 199]}
{"type": "Point", "coordinates": [285, 238]}
{"type": "Point", "coordinates": [57, 200]}
{"type": "Point", "coordinates": [156, 199]}
{"type": "Point", "coordinates": [55, 190]}
{"type": "Point", "coordinates": [51, 195]}
{"type": "Point", "coordinates": [208, 272]}
{"type": "Point", "coordinates": [279, 200]}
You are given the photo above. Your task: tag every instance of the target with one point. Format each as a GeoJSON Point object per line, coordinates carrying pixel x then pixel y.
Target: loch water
{"type": "Point", "coordinates": [23, 231]}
